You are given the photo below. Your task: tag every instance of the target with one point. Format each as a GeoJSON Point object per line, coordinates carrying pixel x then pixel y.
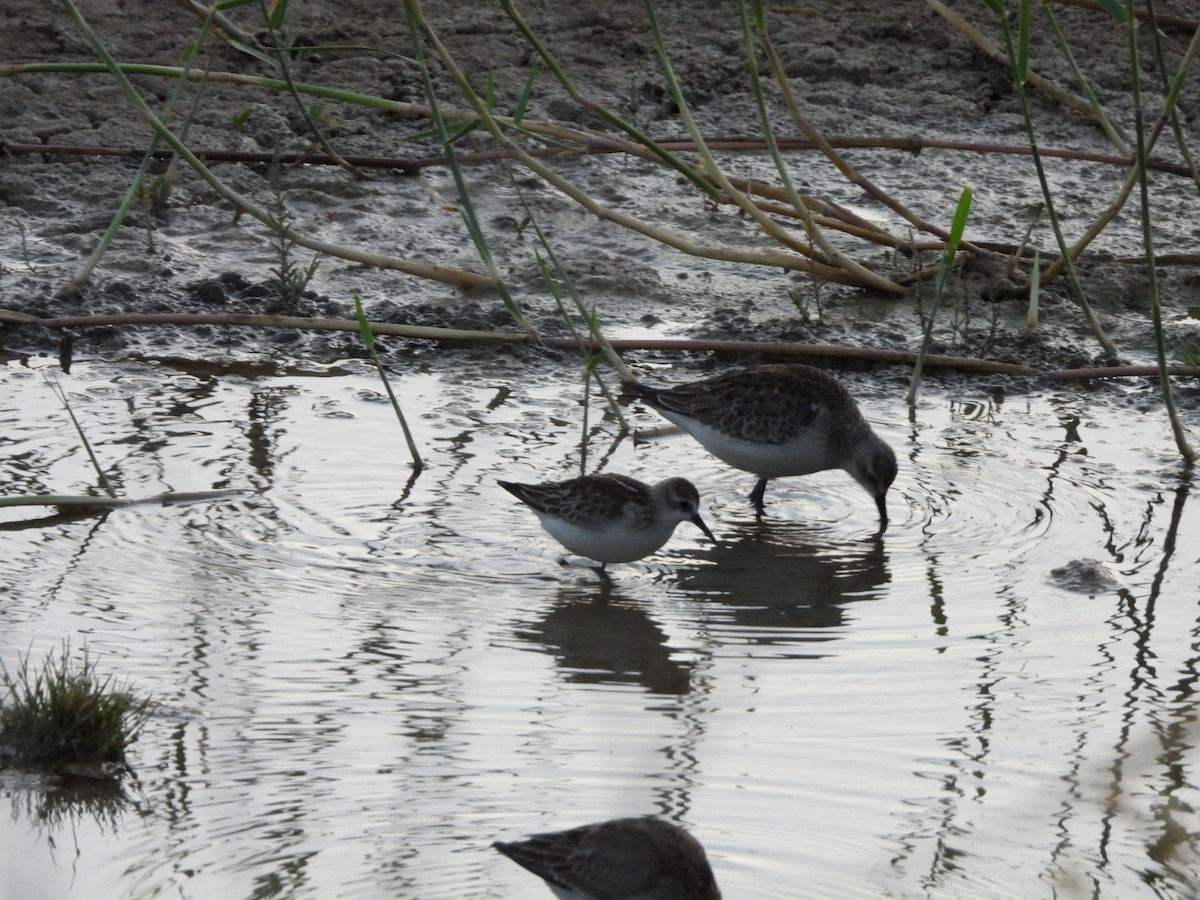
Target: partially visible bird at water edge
{"type": "Point", "coordinates": [621, 859]}
{"type": "Point", "coordinates": [779, 420]}
{"type": "Point", "coordinates": [612, 518]}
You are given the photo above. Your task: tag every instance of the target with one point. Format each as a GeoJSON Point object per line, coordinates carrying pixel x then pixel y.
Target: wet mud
{"type": "Point", "coordinates": [874, 68]}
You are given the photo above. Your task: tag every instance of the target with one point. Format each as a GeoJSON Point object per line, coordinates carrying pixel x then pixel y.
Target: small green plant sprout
{"type": "Point", "coordinates": [289, 278]}
{"type": "Point", "coordinates": [1189, 354]}
{"type": "Point", "coordinates": [66, 718]}
{"type": "Point", "coordinates": [806, 297]}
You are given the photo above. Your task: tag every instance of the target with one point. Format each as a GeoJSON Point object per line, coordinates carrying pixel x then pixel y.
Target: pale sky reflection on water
{"type": "Point", "coordinates": [365, 681]}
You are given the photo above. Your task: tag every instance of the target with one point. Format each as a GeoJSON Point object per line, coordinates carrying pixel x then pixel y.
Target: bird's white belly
{"type": "Point", "coordinates": [615, 544]}
{"type": "Point", "coordinates": [801, 455]}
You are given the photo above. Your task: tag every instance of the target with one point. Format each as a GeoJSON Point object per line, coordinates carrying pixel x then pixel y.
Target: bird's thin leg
{"type": "Point", "coordinates": [756, 495]}
{"type": "Point", "coordinates": [606, 589]}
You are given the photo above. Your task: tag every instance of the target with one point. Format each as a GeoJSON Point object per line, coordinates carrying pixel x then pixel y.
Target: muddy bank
{"type": "Point", "coordinates": [877, 69]}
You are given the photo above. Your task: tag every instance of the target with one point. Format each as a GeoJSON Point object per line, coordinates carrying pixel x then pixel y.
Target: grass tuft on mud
{"type": "Point", "coordinates": [65, 717]}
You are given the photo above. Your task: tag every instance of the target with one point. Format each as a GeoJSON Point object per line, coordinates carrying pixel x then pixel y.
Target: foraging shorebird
{"type": "Point", "coordinates": [621, 859]}
{"type": "Point", "coordinates": [779, 420]}
{"type": "Point", "coordinates": [612, 518]}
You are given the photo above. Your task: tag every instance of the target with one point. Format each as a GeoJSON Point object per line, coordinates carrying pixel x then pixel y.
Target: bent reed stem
{"type": "Point", "coordinates": [431, 271]}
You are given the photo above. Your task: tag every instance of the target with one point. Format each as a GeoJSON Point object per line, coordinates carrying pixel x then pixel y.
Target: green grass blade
{"type": "Point", "coordinates": [526, 93]}
{"type": "Point", "coordinates": [136, 185]}
{"type": "Point", "coordinates": [364, 328]}
{"type": "Point", "coordinates": [590, 355]}
{"type": "Point", "coordinates": [551, 63]}
{"type": "Point", "coordinates": [957, 227]}
{"type": "Point", "coordinates": [1021, 63]}
{"type": "Point", "coordinates": [1116, 9]}
{"type": "Point", "coordinates": [465, 206]}
{"type": "Point", "coordinates": [1185, 449]}
{"type": "Point", "coordinates": [276, 13]}
{"type": "Point", "coordinates": [57, 388]}
{"type": "Point", "coordinates": [1085, 87]}
{"type": "Point", "coordinates": [1035, 152]}
{"type": "Point", "coordinates": [1035, 287]}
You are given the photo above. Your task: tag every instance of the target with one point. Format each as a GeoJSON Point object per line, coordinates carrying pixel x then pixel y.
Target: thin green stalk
{"type": "Point", "coordinates": [765, 223]}
{"type": "Point", "coordinates": [598, 348]}
{"type": "Point", "coordinates": [591, 359]}
{"type": "Point", "coordinates": [57, 388]}
{"type": "Point", "coordinates": [526, 93]}
{"type": "Point", "coordinates": [275, 20]}
{"type": "Point", "coordinates": [465, 206]}
{"type": "Point", "coordinates": [368, 337]}
{"type": "Point", "coordinates": [1015, 256]}
{"type": "Point", "coordinates": [1027, 119]}
{"type": "Point", "coordinates": [1098, 113]}
{"type": "Point", "coordinates": [135, 186]}
{"type": "Point", "coordinates": [421, 269]}
{"type": "Point", "coordinates": [957, 227]}
{"type": "Point", "coordinates": [564, 277]}
{"type": "Point", "coordinates": [589, 374]}
{"type": "Point", "coordinates": [1021, 61]}
{"type": "Point", "coordinates": [602, 111]}
{"type": "Point", "coordinates": [811, 228]}
{"type": "Point", "coordinates": [1185, 449]}
{"type": "Point", "coordinates": [261, 81]}
{"type": "Point", "coordinates": [591, 352]}
{"type": "Point", "coordinates": [324, 92]}
{"type": "Point", "coordinates": [764, 118]}
{"type": "Point", "coordinates": [1175, 85]}
{"type": "Point", "coordinates": [1035, 292]}
{"type": "Point", "coordinates": [550, 134]}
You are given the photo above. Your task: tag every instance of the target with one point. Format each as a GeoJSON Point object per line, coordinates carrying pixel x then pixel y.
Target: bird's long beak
{"type": "Point", "coordinates": [881, 505]}
{"type": "Point", "coordinates": [699, 523]}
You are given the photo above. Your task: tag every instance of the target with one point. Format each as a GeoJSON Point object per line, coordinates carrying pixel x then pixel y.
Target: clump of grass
{"type": "Point", "coordinates": [66, 717]}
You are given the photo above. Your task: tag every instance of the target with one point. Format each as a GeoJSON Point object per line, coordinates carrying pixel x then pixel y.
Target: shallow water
{"type": "Point", "coordinates": [366, 678]}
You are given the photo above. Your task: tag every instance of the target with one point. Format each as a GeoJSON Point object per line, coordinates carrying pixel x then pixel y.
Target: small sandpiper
{"type": "Point", "coordinates": [612, 518]}
{"type": "Point", "coordinates": [621, 859]}
{"type": "Point", "coordinates": [779, 420]}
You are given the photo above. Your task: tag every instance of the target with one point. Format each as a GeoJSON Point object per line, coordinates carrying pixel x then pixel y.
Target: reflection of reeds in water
{"type": "Point", "coordinates": [1122, 780]}
{"type": "Point", "coordinates": [66, 803]}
